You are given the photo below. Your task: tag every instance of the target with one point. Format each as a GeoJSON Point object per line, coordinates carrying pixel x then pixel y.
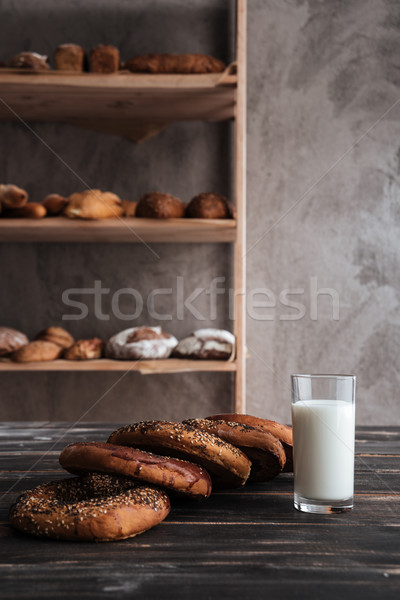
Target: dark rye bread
{"type": "Point", "coordinates": [177, 475]}
{"type": "Point", "coordinates": [227, 465]}
{"type": "Point", "coordinates": [284, 433]}
{"type": "Point", "coordinates": [95, 507]}
{"type": "Point", "coordinates": [263, 449]}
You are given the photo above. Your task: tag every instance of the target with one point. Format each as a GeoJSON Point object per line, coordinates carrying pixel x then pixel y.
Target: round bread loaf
{"type": "Point", "coordinates": [263, 449]}
{"type": "Point", "coordinates": [29, 60]}
{"type": "Point", "coordinates": [284, 433]}
{"type": "Point", "coordinates": [157, 205]}
{"type": "Point", "coordinates": [11, 340]}
{"type": "Point", "coordinates": [210, 206]}
{"type": "Point", "coordinates": [37, 351]}
{"type": "Point", "coordinates": [227, 465]}
{"type": "Point", "coordinates": [56, 335]}
{"type": "Point", "coordinates": [95, 507]}
{"type": "Point", "coordinates": [211, 344]}
{"type": "Point", "coordinates": [141, 343]}
{"type": "Point", "coordinates": [177, 475]}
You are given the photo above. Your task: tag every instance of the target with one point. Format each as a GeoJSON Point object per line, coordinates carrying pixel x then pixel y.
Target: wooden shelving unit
{"type": "Point", "coordinates": [139, 106]}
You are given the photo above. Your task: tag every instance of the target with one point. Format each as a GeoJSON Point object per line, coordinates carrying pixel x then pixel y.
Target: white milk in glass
{"type": "Point", "coordinates": [323, 442]}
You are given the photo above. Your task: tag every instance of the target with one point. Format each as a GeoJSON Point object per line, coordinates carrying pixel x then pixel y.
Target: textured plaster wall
{"type": "Point", "coordinates": [323, 208]}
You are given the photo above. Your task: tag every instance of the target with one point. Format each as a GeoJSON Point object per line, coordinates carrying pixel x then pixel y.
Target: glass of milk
{"type": "Point", "coordinates": [323, 416]}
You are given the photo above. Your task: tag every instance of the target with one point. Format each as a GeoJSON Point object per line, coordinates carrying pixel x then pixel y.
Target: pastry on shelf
{"type": "Point", "coordinates": [69, 57]}
{"type": "Point", "coordinates": [104, 59]}
{"type": "Point", "coordinates": [210, 206]}
{"type": "Point", "coordinates": [37, 351]}
{"type": "Point", "coordinates": [141, 343]}
{"type": "Point", "coordinates": [11, 340]}
{"type": "Point", "coordinates": [175, 63]}
{"type": "Point", "coordinates": [157, 205]}
{"type": "Point", "coordinates": [57, 335]}
{"type": "Point", "coordinates": [207, 344]}
{"type": "Point", "coordinates": [93, 204]}
{"type": "Point", "coordinates": [31, 210]}
{"type": "Point", "coordinates": [12, 196]}
{"type": "Point", "coordinates": [29, 60]}
{"type": "Point", "coordinates": [85, 350]}
{"type": "Point", "coordinates": [129, 208]}
{"type": "Point", "coordinates": [54, 204]}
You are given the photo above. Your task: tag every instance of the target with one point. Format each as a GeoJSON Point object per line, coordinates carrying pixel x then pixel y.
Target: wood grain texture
{"type": "Point", "coordinates": [238, 544]}
{"type": "Point", "coordinates": [124, 230]}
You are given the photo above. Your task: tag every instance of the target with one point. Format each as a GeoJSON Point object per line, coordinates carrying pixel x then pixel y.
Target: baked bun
{"type": "Point", "coordinates": [37, 351]}
{"type": "Point", "coordinates": [31, 210]}
{"type": "Point", "coordinates": [104, 59]}
{"type": "Point", "coordinates": [12, 196]}
{"type": "Point", "coordinates": [284, 433]}
{"type": "Point", "coordinates": [263, 449]}
{"type": "Point", "coordinates": [57, 335]}
{"type": "Point", "coordinates": [227, 465]}
{"type": "Point", "coordinates": [208, 344]}
{"type": "Point", "coordinates": [69, 57]}
{"type": "Point", "coordinates": [93, 204]}
{"type": "Point", "coordinates": [175, 63]}
{"type": "Point", "coordinates": [129, 208]}
{"type": "Point", "coordinates": [85, 350]}
{"type": "Point", "coordinates": [210, 206]}
{"type": "Point", "coordinates": [29, 60]}
{"type": "Point", "coordinates": [95, 507]}
{"type": "Point", "coordinates": [11, 340]}
{"type": "Point", "coordinates": [159, 206]}
{"type": "Point", "coordinates": [54, 204]}
{"type": "Point", "coordinates": [140, 343]}
{"type": "Point", "coordinates": [176, 475]}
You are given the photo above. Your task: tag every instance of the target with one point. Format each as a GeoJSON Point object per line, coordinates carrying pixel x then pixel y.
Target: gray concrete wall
{"type": "Point", "coordinates": [323, 209]}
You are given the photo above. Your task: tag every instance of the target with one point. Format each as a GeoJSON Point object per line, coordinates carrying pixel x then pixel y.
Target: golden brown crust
{"type": "Point", "coordinates": [57, 335]}
{"type": "Point", "coordinates": [177, 475]}
{"type": "Point", "coordinates": [282, 432]}
{"type": "Point", "coordinates": [85, 350]}
{"type": "Point", "coordinates": [210, 206]}
{"type": "Point", "coordinates": [227, 465]}
{"type": "Point", "coordinates": [29, 60]}
{"type": "Point", "coordinates": [104, 59]}
{"type": "Point", "coordinates": [263, 449]}
{"type": "Point", "coordinates": [95, 507]}
{"type": "Point", "coordinates": [93, 204]}
{"type": "Point", "coordinates": [69, 57]}
{"type": "Point", "coordinates": [37, 351]}
{"type": "Point", "coordinates": [129, 208]}
{"type": "Point", "coordinates": [54, 204]}
{"type": "Point", "coordinates": [32, 210]}
{"type": "Point", "coordinates": [157, 205]}
{"type": "Point", "coordinates": [175, 63]}
{"type": "Point", "coordinates": [11, 340]}
{"type": "Point", "coordinates": [12, 196]}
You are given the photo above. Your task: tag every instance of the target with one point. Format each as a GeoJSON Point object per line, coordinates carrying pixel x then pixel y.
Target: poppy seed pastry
{"type": "Point", "coordinates": [69, 57]}
{"type": "Point", "coordinates": [85, 350]}
{"type": "Point", "coordinates": [284, 433]}
{"type": "Point", "coordinates": [263, 449]}
{"type": "Point", "coordinates": [207, 344]}
{"type": "Point", "coordinates": [226, 464]}
{"type": "Point", "coordinates": [157, 205]}
{"type": "Point", "coordinates": [104, 59]}
{"type": "Point", "coordinates": [175, 63]}
{"type": "Point", "coordinates": [57, 335]}
{"type": "Point", "coordinates": [210, 206]}
{"type": "Point", "coordinates": [171, 473]}
{"type": "Point", "coordinates": [29, 60]}
{"type": "Point", "coordinates": [11, 340]}
{"type": "Point", "coordinates": [140, 343]}
{"type": "Point", "coordinates": [94, 507]}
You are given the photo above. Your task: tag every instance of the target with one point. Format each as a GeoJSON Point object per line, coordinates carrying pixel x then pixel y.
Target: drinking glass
{"type": "Point", "coordinates": [323, 417]}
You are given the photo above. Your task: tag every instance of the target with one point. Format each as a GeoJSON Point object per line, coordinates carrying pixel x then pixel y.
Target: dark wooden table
{"type": "Point", "coordinates": [242, 544]}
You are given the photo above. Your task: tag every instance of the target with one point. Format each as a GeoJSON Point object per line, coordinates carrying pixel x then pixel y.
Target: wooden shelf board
{"type": "Point", "coordinates": [126, 230]}
{"type": "Point", "coordinates": [116, 100]}
{"type": "Point", "coordinates": [145, 367]}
